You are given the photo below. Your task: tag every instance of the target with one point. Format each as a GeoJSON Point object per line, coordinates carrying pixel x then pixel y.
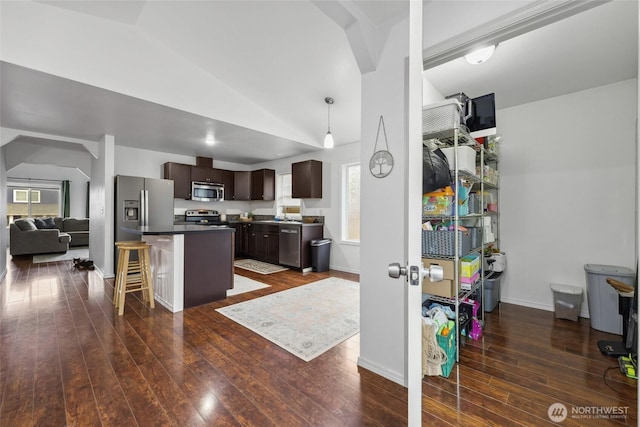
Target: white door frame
{"type": "Point", "coordinates": [413, 176]}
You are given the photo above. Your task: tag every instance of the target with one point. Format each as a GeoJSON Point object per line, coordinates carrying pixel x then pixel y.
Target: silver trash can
{"type": "Point", "coordinates": [320, 254]}
{"type": "Point", "coordinates": [603, 298]}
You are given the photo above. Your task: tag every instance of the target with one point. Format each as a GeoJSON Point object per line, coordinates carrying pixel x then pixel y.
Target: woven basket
{"type": "Point", "coordinates": [442, 242]}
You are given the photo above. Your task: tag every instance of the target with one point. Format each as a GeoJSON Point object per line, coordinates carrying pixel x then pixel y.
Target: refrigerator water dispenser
{"type": "Point", "coordinates": [131, 210]}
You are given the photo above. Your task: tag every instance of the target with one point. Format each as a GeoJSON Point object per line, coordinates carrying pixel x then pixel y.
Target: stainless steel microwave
{"type": "Point", "coordinates": [207, 191]}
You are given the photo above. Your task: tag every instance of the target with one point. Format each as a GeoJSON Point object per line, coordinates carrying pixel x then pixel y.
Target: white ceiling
{"type": "Point", "coordinates": [286, 56]}
{"type": "Point", "coordinates": [593, 48]}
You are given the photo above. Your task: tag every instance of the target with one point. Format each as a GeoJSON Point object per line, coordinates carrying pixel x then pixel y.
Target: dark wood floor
{"type": "Point", "coordinates": [66, 359]}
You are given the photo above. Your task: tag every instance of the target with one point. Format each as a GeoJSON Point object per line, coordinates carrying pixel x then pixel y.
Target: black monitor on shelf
{"type": "Point", "coordinates": [483, 121]}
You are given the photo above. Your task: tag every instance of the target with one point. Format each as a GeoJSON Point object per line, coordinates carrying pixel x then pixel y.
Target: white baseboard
{"type": "Point", "coordinates": [345, 270]}
{"type": "Point", "coordinates": [382, 371]}
{"type": "Point", "coordinates": [3, 275]}
{"type": "Point", "coordinates": [547, 307]}
{"type": "Point", "coordinates": [164, 303]}
{"type": "Point", "coordinates": [102, 275]}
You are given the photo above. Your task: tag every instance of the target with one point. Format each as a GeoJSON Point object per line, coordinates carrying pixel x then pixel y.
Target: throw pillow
{"type": "Point", "coordinates": [44, 223]}
{"type": "Point", "coordinates": [49, 222]}
{"type": "Point", "coordinates": [25, 224]}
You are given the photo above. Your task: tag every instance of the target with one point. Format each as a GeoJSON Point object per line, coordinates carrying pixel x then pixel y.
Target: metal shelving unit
{"type": "Point", "coordinates": [456, 137]}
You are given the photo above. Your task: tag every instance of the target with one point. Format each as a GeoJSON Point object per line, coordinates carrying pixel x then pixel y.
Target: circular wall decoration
{"type": "Point", "coordinates": [381, 163]}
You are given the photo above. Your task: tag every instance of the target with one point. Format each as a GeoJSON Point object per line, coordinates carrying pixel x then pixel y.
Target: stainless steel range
{"type": "Point", "coordinates": [204, 217]}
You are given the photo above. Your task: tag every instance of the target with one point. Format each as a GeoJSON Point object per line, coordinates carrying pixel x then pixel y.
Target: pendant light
{"type": "Point", "coordinates": [328, 138]}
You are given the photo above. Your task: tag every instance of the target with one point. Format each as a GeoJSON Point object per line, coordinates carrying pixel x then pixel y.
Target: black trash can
{"type": "Point", "coordinates": [320, 252]}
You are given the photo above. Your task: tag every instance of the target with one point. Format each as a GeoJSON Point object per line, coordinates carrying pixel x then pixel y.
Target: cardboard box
{"type": "Point", "coordinates": [444, 288]}
{"type": "Point", "coordinates": [469, 265]}
{"type": "Point", "coordinates": [447, 266]}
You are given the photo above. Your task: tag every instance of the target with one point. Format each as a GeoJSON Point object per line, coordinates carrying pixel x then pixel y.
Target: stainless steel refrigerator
{"type": "Point", "coordinates": [141, 201]}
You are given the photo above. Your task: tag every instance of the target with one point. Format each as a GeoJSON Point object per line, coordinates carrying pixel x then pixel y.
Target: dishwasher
{"type": "Point", "coordinates": [289, 251]}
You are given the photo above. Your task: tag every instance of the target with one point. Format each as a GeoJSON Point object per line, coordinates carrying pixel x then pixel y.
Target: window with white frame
{"type": "Point", "coordinates": [27, 201]}
{"type": "Point", "coordinates": [351, 202]}
{"type": "Point", "coordinates": [287, 206]}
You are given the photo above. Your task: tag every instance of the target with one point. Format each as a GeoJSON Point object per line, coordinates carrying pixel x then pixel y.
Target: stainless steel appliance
{"type": "Point", "coordinates": [141, 201]}
{"type": "Point", "coordinates": [207, 191]}
{"type": "Point", "coordinates": [289, 246]}
{"type": "Point", "coordinates": [204, 217]}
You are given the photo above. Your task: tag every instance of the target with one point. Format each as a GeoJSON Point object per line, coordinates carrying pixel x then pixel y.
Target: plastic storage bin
{"type": "Point", "coordinates": [441, 116]}
{"type": "Point", "coordinates": [491, 292]}
{"type": "Point", "coordinates": [466, 158]}
{"type": "Point", "coordinates": [566, 301]}
{"type": "Point", "coordinates": [320, 254]}
{"type": "Point", "coordinates": [603, 298]}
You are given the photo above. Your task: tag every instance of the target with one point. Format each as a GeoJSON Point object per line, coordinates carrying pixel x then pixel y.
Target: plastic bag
{"type": "Point", "coordinates": [435, 170]}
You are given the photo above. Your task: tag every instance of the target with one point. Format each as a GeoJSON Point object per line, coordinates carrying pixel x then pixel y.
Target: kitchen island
{"type": "Point", "coordinates": [190, 264]}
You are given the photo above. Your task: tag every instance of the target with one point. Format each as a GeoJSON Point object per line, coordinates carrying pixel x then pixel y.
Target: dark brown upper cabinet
{"type": "Point", "coordinates": [228, 179]}
{"type": "Point", "coordinates": [263, 184]}
{"type": "Point", "coordinates": [204, 174]}
{"type": "Point", "coordinates": [242, 185]}
{"type": "Point", "coordinates": [306, 180]}
{"type": "Point", "coordinates": [181, 176]}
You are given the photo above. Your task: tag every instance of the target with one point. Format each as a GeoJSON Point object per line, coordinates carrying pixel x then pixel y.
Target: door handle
{"type": "Point", "coordinates": [435, 272]}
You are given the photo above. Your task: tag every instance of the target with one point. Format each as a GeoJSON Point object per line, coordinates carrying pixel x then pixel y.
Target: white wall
{"type": "Point", "coordinates": [77, 182]}
{"type": "Point", "coordinates": [343, 256]}
{"type": "Point", "coordinates": [101, 208]}
{"type": "Point", "coordinates": [3, 220]}
{"type": "Point", "coordinates": [567, 190]}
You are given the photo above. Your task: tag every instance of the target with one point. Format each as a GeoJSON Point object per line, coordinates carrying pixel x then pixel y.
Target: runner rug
{"type": "Point", "coordinates": [258, 266]}
{"type": "Point", "coordinates": [307, 320]}
{"type": "Point", "coordinates": [82, 252]}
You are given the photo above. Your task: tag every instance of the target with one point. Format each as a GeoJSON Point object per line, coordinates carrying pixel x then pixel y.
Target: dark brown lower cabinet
{"type": "Point", "coordinates": [263, 242]}
{"type": "Point", "coordinates": [208, 267]}
{"type": "Point", "coordinates": [241, 245]}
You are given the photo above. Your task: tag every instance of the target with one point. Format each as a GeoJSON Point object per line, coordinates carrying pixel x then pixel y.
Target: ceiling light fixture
{"type": "Point", "coordinates": [328, 138]}
{"type": "Point", "coordinates": [210, 139]}
{"type": "Point", "coordinates": [479, 56]}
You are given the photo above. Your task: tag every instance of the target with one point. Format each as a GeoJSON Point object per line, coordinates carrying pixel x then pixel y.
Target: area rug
{"type": "Point", "coordinates": [307, 320]}
{"type": "Point", "coordinates": [82, 252]}
{"type": "Point", "coordinates": [258, 266]}
{"type": "Point", "coordinates": [243, 284]}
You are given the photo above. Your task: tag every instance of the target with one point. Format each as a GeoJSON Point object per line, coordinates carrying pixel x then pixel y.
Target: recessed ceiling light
{"type": "Point", "coordinates": [480, 55]}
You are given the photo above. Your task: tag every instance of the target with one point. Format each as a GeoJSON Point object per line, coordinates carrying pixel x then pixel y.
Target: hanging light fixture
{"type": "Point", "coordinates": [328, 138]}
{"type": "Point", "coordinates": [480, 55]}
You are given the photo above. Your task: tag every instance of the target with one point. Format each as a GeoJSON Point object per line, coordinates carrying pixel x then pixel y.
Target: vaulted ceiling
{"type": "Point", "coordinates": [163, 75]}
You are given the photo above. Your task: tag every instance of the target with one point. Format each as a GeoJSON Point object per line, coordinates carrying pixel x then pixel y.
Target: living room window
{"type": "Point", "coordinates": [351, 203]}
{"type": "Point", "coordinates": [33, 201]}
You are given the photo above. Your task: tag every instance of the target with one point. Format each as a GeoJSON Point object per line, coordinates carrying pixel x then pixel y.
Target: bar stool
{"type": "Point", "coordinates": [133, 276]}
{"type": "Point", "coordinates": [133, 268]}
